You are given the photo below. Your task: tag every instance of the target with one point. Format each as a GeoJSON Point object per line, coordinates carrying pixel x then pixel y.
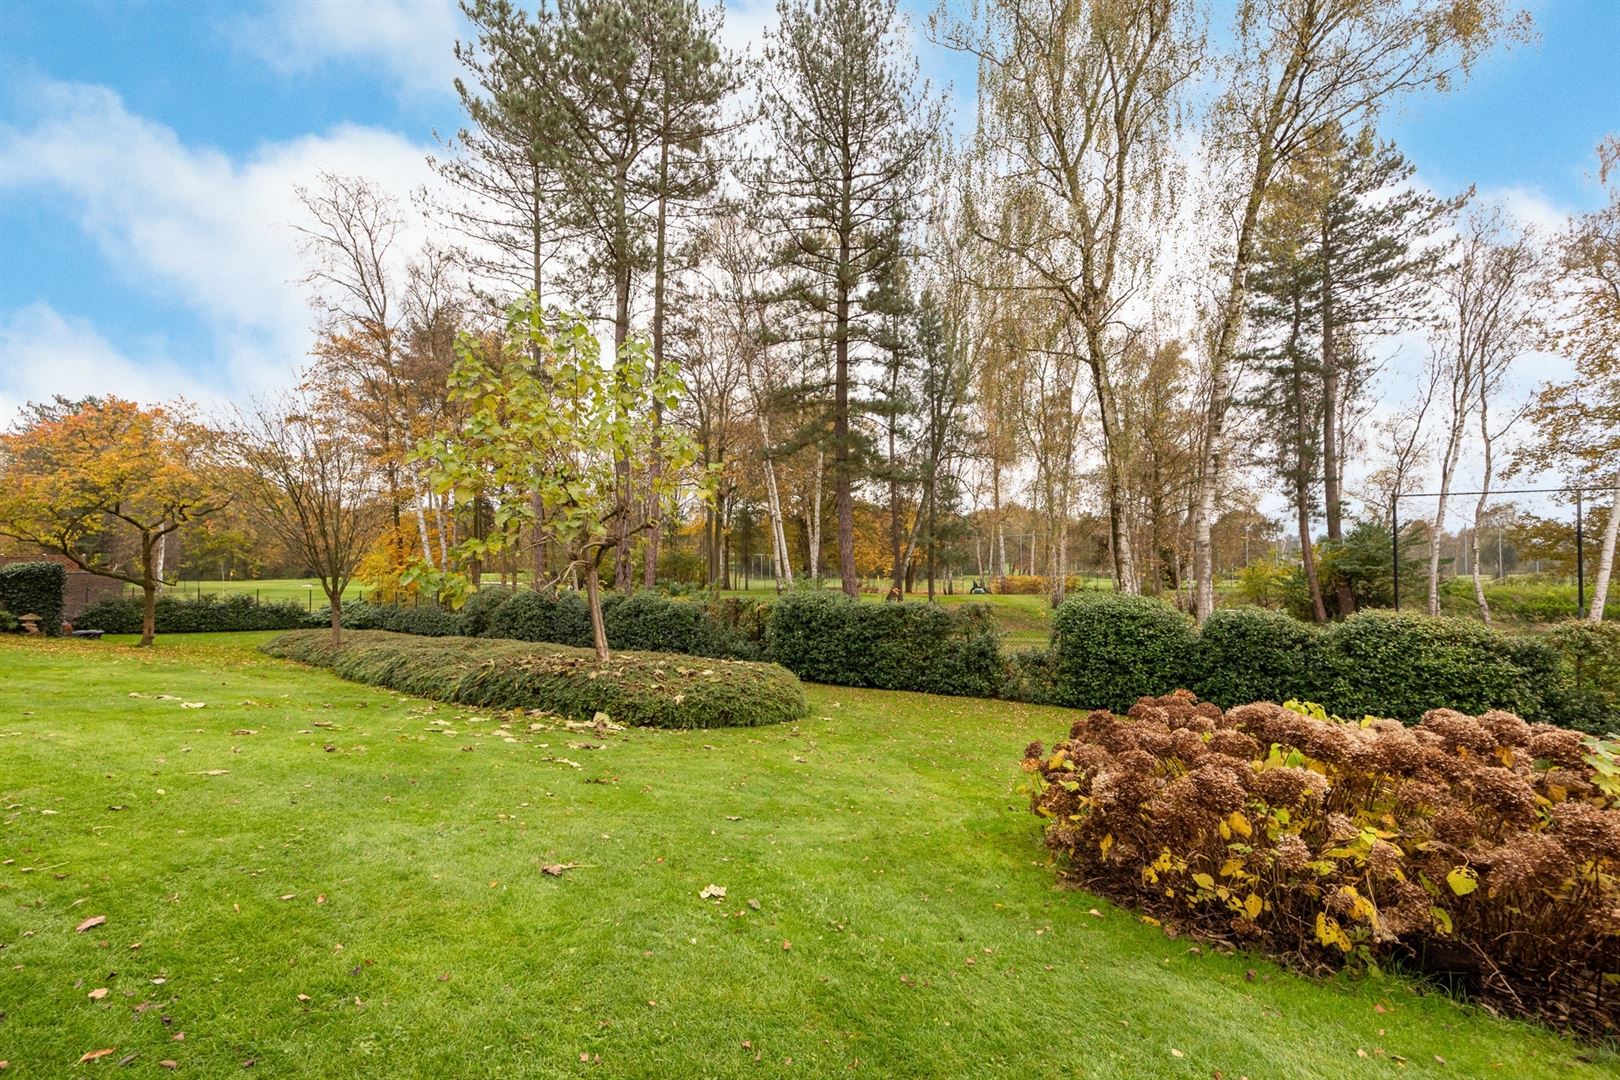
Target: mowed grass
{"type": "Point", "coordinates": [306, 591]}
{"type": "Point", "coordinates": [300, 835]}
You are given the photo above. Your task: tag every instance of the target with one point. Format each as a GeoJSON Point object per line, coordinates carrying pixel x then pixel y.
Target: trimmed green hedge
{"type": "Point", "coordinates": [1249, 654]}
{"type": "Point", "coordinates": [209, 613]}
{"type": "Point", "coordinates": [646, 689]}
{"type": "Point", "coordinates": [428, 620]}
{"type": "Point", "coordinates": [1399, 664]}
{"type": "Point", "coordinates": [1111, 648]}
{"type": "Point", "coordinates": [832, 638]}
{"type": "Point", "coordinates": [35, 588]}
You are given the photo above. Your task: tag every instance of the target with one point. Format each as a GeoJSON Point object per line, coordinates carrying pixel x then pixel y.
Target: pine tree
{"type": "Point", "coordinates": [850, 126]}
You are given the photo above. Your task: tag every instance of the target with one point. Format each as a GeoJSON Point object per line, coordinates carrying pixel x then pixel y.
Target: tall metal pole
{"type": "Point", "coordinates": [1580, 558]}
{"type": "Point", "coordinates": [1395, 546]}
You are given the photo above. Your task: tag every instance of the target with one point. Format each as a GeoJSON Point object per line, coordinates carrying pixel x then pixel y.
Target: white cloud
{"type": "Point", "coordinates": [208, 231]}
{"type": "Point", "coordinates": [46, 353]}
{"type": "Point", "coordinates": [410, 40]}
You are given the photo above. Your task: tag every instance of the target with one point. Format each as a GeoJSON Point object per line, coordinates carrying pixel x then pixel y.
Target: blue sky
{"type": "Point", "coordinates": [149, 149]}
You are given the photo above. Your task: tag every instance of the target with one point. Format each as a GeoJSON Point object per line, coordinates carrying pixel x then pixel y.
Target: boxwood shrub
{"type": "Point", "coordinates": [1111, 648]}
{"type": "Point", "coordinates": [428, 620]}
{"type": "Point", "coordinates": [209, 613]}
{"type": "Point", "coordinates": [557, 618]}
{"type": "Point", "coordinates": [1249, 654]}
{"type": "Point", "coordinates": [35, 588]}
{"type": "Point", "coordinates": [831, 638]}
{"type": "Point", "coordinates": [646, 689]}
{"type": "Point", "coordinates": [1031, 677]}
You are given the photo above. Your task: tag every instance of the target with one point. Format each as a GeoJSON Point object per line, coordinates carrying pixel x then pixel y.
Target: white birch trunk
{"type": "Point", "coordinates": [1605, 566]}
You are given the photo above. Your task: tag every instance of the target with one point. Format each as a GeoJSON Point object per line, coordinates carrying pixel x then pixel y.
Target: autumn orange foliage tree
{"type": "Point", "coordinates": [102, 482]}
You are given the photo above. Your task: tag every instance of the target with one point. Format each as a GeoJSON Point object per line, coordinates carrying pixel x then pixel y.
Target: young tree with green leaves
{"type": "Point", "coordinates": [546, 416]}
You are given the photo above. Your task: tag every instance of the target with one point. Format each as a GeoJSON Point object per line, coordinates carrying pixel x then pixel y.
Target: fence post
{"type": "Point", "coordinates": [1580, 558]}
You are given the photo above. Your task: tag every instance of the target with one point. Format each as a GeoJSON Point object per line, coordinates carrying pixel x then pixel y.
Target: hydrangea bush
{"type": "Point", "coordinates": [1482, 847]}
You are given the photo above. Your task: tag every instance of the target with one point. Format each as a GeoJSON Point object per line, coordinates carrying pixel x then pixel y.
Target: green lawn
{"type": "Point", "coordinates": [305, 591]}
{"type": "Point", "coordinates": [316, 877]}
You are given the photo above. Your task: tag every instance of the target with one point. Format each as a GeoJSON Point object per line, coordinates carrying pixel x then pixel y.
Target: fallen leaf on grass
{"type": "Point", "coordinates": [289, 896]}
{"type": "Point", "coordinates": [1176, 1053]}
{"type": "Point", "coordinates": [754, 904]}
{"type": "Point", "coordinates": [95, 1054]}
{"type": "Point", "coordinates": [787, 945]}
{"type": "Point", "coordinates": [98, 993]}
{"type": "Point", "coordinates": [194, 704]}
{"type": "Point", "coordinates": [303, 997]}
{"type": "Point", "coordinates": [90, 923]}
{"type": "Point", "coordinates": [557, 869]}
{"type": "Point", "coordinates": [216, 772]}
{"type": "Point", "coordinates": [715, 892]}
{"type": "Point", "coordinates": [169, 1063]}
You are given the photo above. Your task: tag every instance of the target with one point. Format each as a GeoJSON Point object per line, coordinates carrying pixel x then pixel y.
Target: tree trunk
{"type": "Point", "coordinates": [1605, 566]}
{"type": "Point", "coordinates": [621, 335]}
{"type": "Point", "coordinates": [813, 524]}
{"type": "Point", "coordinates": [1484, 494]}
{"type": "Point", "coordinates": [148, 613]}
{"type": "Point", "coordinates": [1332, 495]}
{"type": "Point", "coordinates": [335, 599]}
{"type": "Point", "coordinates": [593, 596]}
{"type": "Point", "coordinates": [843, 480]}
{"type": "Point", "coordinates": [1125, 577]}
{"type": "Point", "coordinates": [1448, 469]}
{"type": "Point", "coordinates": [649, 573]}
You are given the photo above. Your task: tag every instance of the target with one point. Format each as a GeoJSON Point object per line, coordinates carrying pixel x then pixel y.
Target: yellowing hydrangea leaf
{"type": "Point", "coordinates": [1253, 905]}
{"type": "Point", "coordinates": [1462, 880]}
{"type": "Point", "coordinates": [1240, 824]}
{"type": "Point", "coordinates": [1204, 881]}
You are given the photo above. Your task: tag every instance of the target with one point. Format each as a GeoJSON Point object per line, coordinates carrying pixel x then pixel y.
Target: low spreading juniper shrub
{"type": "Point", "coordinates": [1482, 846]}
{"type": "Point", "coordinates": [645, 689]}
{"type": "Point", "coordinates": [1111, 648]}
{"type": "Point", "coordinates": [832, 638]}
{"type": "Point", "coordinates": [206, 614]}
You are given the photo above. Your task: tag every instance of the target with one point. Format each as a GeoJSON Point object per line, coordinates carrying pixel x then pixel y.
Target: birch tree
{"type": "Point", "coordinates": [1299, 65]}
{"type": "Point", "coordinates": [1577, 423]}
{"type": "Point", "coordinates": [1077, 101]}
{"type": "Point", "coordinates": [1490, 318]}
